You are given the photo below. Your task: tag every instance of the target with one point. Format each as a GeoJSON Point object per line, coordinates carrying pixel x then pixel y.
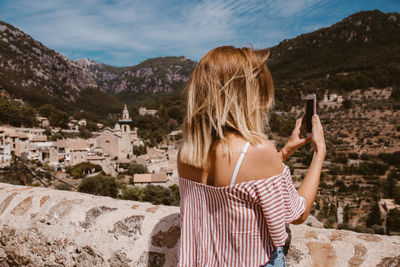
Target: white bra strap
{"type": "Point", "coordinates": [239, 162]}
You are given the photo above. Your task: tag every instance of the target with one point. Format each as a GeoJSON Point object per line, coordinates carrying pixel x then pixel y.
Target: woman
{"type": "Point", "coordinates": [236, 193]}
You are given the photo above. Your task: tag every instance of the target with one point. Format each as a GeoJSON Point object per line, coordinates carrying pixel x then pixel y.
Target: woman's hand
{"type": "Point", "coordinates": [295, 141]}
{"type": "Point", "coordinates": [318, 139]}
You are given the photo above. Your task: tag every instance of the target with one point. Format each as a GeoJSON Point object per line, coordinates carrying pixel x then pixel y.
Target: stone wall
{"type": "Point", "coordinates": [46, 227]}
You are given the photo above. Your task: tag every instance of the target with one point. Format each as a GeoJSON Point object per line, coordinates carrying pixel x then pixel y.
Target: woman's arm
{"type": "Point", "coordinates": [309, 186]}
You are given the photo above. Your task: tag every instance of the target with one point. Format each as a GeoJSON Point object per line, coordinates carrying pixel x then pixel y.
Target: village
{"type": "Point", "coordinates": [344, 196]}
{"type": "Point", "coordinates": [110, 148]}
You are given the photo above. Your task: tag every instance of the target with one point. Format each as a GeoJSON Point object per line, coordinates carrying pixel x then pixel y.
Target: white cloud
{"type": "Point", "coordinates": [285, 8]}
{"type": "Point", "coordinates": [126, 30]}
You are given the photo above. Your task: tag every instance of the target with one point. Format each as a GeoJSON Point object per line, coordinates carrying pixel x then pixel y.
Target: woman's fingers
{"type": "Point", "coordinates": [302, 141]}
{"type": "Point", "coordinates": [299, 121]}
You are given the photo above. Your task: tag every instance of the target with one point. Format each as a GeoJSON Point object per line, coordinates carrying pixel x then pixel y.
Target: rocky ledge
{"type": "Point", "coordinates": [46, 227]}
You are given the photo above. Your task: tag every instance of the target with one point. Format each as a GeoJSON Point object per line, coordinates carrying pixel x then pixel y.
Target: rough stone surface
{"type": "Point", "coordinates": [369, 238]}
{"type": "Point", "coordinates": [46, 227]}
{"type": "Point", "coordinates": [294, 256]}
{"type": "Point", "coordinates": [166, 239]}
{"type": "Point", "coordinates": [129, 226]}
{"type": "Point", "coordinates": [338, 235]}
{"type": "Point", "coordinates": [310, 235]}
{"type": "Point", "coordinates": [92, 214]}
{"type": "Point", "coordinates": [6, 202]}
{"type": "Point", "coordinates": [359, 254]}
{"type": "Point", "coordinates": [23, 206]}
{"type": "Point", "coordinates": [120, 259]}
{"type": "Point", "coordinates": [43, 200]}
{"type": "Point", "coordinates": [390, 262]}
{"type": "Point", "coordinates": [322, 254]}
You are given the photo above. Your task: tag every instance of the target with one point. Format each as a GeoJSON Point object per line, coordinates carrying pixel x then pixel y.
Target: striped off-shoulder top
{"type": "Point", "coordinates": [236, 225]}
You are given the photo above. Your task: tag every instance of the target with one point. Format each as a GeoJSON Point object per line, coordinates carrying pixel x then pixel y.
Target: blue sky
{"type": "Point", "coordinates": [126, 32]}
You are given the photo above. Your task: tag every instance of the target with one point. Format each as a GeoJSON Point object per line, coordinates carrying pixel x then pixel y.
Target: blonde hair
{"type": "Point", "coordinates": [230, 90]}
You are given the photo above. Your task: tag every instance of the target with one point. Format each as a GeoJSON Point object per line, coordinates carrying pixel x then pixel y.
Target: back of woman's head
{"type": "Point", "coordinates": [230, 90]}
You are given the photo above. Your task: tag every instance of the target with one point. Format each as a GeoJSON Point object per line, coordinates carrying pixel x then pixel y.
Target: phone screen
{"type": "Point", "coordinates": [309, 114]}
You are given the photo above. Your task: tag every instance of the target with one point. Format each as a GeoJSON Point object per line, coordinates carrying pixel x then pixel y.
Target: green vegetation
{"type": "Point", "coordinates": [391, 158]}
{"type": "Point", "coordinates": [100, 185]}
{"type": "Point", "coordinates": [393, 222]}
{"type": "Point", "coordinates": [152, 193]}
{"type": "Point", "coordinates": [367, 168]}
{"type": "Point", "coordinates": [349, 53]}
{"type": "Point", "coordinates": [56, 117]}
{"type": "Point", "coordinates": [374, 217]}
{"type": "Point", "coordinates": [133, 168]}
{"type": "Point", "coordinates": [82, 169]}
{"type": "Point", "coordinates": [281, 125]}
{"type": "Point", "coordinates": [15, 114]}
{"type": "Point", "coordinates": [139, 150]}
{"type": "Point", "coordinates": [64, 187]}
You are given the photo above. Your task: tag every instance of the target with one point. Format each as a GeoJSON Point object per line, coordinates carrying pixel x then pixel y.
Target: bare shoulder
{"type": "Point", "coordinates": [262, 161]}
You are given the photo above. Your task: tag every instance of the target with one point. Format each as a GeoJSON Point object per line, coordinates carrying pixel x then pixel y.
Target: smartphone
{"type": "Point", "coordinates": [311, 109]}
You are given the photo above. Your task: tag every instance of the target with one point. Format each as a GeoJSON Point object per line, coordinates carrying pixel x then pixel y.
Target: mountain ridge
{"type": "Point", "coordinates": [359, 52]}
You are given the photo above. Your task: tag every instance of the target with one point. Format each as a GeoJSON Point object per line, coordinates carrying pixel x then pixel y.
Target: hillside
{"type": "Point", "coordinates": [361, 51]}
{"type": "Point", "coordinates": [39, 75]}
{"type": "Point", "coordinates": [164, 74]}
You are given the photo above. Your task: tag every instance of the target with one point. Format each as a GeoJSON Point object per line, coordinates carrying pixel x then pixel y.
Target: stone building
{"type": "Point", "coordinates": [149, 178]}
{"type": "Point", "coordinates": [103, 149]}
{"type": "Point", "coordinates": [118, 142]}
{"type": "Point", "coordinates": [143, 111]}
{"type": "Point", "coordinates": [72, 151]}
{"type": "Point", "coordinates": [15, 139]}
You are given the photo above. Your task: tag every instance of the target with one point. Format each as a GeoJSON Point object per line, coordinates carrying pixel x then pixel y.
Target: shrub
{"type": "Point", "coordinates": [347, 103]}
{"type": "Point", "coordinates": [64, 187]}
{"type": "Point", "coordinates": [155, 194]}
{"type": "Point", "coordinates": [100, 185]}
{"type": "Point", "coordinates": [346, 213]}
{"type": "Point", "coordinates": [329, 222]}
{"type": "Point", "coordinates": [374, 217]}
{"type": "Point", "coordinates": [340, 158]}
{"type": "Point", "coordinates": [390, 158]}
{"type": "Point", "coordinates": [393, 221]}
{"type": "Point", "coordinates": [83, 168]}
{"type": "Point", "coordinates": [134, 168]}
{"type": "Point", "coordinates": [139, 150]}
{"type": "Point", "coordinates": [396, 194]}
{"type": "Point", "coordinates": [133, 193]}
{"type": "Point", "coordinates": [353, 155]}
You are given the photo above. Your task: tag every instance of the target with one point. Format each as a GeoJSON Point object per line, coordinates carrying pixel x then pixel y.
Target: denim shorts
{"type": "Point", "coordinates": [277, 258]}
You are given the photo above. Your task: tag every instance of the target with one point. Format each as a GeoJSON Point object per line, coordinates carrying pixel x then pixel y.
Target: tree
{"type": "Point", "coordinates": [396, 194]}
{"type": "Point", "coordinates": [347, 104]}
{"type": "Point", "coordinates": [374, 216]}
{"type": "Point", "coordinates": [346, 214]}
{"type": "Point", "coordinates": [56, 117]}
{"type": "Point", "coordinates": [393, 221]}
{"type": "Point", "coordinates": [139, 150]}
{"type": "Point", "coordinates": [100, 185]}
{"type": "Point", "coordinates": [81, 169]}
{"type": "Point", "coordinates": [137, 168]}
{"type": "Point", "coordinates": [84, 132]}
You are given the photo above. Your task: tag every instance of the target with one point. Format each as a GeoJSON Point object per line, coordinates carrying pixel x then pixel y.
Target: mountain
{"type": "Point", "coordinates": [361, 51]}
{"type": "Point", "coordinates": [39, 75]}
{"type": "Point", "coordinates": [163, 74]}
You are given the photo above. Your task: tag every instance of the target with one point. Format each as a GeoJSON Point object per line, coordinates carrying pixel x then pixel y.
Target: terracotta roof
{"type": "Point", "coordinates": [39, 138]}
{"type": "Point", "coordinates": [95, 157]}
{"type": "Point", "coordinates": [73, 144]}
{"type": "Point", "coordinates": [150, 178]}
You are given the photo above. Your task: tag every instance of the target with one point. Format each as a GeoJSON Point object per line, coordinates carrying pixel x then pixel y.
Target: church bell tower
{"type": "Point", "coordinates": [125, 146]}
